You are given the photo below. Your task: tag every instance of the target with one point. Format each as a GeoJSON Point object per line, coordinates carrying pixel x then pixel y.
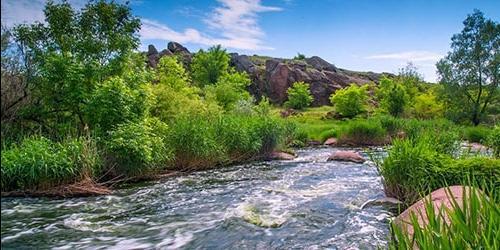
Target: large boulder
{"type": "Point", "coordinates": [347, 155]}
{"type": "Point", "coordinates": [440, 198]}
{"type": "Point", "coordinates": [175, 47]}
{"type": "Point", "coordinates": [320, 64]}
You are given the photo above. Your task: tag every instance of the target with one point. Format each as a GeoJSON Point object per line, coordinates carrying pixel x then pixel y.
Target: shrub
{"type": "Point", "coordinates": [238, 136]}
{"type": "Point", "coordinates": [351, 101]}
{"type": "Point", "coordinates": [138, 148]}
{"type": "Point", "coordinates": [299, 96]}
{"type": "Point", "coordinates": [392, 97]}
{"type": "Point", "coordinates": [207, 67]}
{"type": "Point", "coordinates": [263, 108]}
{"type": "Point", "coordinates": [390, 123]}
{"type": "Point", "coordinates": [229, 89]}
{"type": "Point", "coordinates": [114, 103]}
{"type": "Point", "coordinates": [426, 106]}
{"type": "Point", "coordinates": [494, 141]}
{"type": "Point", "coordinates": [39, 163]}
{"type": "Point", "coordinates": [363, 132]}
{"type": "Point", "coordinates": [476, 134]}
{"type": "Point", "coordinates": [329, 134]}
{"type": "Point", "coordinates": [417, 167]}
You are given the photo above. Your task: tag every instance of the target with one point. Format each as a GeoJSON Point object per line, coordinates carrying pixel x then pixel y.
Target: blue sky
{"type": "Point", "coordinates": [365, 35]}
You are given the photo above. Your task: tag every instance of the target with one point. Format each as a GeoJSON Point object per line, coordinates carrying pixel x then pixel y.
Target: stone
{"type": "Point", "coordinates": [279, 155]}
{"type": "Point", "coordinates": [439, 198]}
{"type": "Point", "coordinates": [391, 203]}
{"type": "Point", "coordinates": [348, 155]}
{"type": "Point", "coordinates": [320, 64]}
{"type": "Point", "coordinates": [175, 47]}
{"type": "Point", "coordinates": [331, 142]}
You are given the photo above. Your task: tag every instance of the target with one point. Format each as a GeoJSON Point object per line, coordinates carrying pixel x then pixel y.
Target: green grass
{"type": "Point", "coordinates": [477, 134]}
{"type": "Point", "coordinates": [363, 132]}
{"type": "Point", "coordinates": [473, 223]}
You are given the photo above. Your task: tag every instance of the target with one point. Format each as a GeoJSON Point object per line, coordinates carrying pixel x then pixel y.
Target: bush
{"type": "Point", "coordinates": [299, 96]}
{"type": "Point", "coordinates": [391, 124]}
{"type": "Point", "coordinates": [238, 136]}
{"type": "Point", "coordinates": [138, 148]}
{"type": "Point", "coordinates": [114, 103]}
{"type": "Point", "coordinates": [351, 101]}
{"type": "Point", "coordinates": [207, 67]}
{"type": "Point", "coordinates": [494, 141]}
{"type": "Point", "coordinates": [229, 89]}
{"type": "Point", "coordinates": [426, 106]}
{"type": "Point", "coordinates": [363, 132]}
{"type": "Point", "coordinates": [417, 167]}
{"type": "Point", "coordinates": [476, 134]}
{"type": "Point", "coordinates": [39, 163]}
{"type": "Point", "coordinates": [329, 134]}
{"type": "Point", "coordinates": [392, 97]}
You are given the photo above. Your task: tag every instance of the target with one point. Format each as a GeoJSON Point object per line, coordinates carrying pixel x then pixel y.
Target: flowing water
{"type": "Point", "coordinates": [307, 203]}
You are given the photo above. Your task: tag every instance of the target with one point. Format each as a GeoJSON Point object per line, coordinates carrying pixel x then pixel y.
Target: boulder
{"type": "Point", "coordinates": [347, 155]}
{"type": "Point", "coordinates": [279, 155]}
{"type": "Point", "coordinates": [331, 142]}
{"type": "Point", "coordinates": [320, 64]}
{"type": "Point", "coordinates": [391, 204]}
{"type": "Point", "coordinates": [314, 143]}
{"type": "Point", "coordinates": [439, 198]}
{"type": "Point", "coordinates": [177, 48]}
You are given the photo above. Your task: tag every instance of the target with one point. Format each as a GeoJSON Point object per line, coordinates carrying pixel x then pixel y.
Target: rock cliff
{"type": "Point", "coordinates": [271, 77]}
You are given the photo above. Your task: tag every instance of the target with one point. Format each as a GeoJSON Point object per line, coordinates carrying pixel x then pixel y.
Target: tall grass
{"type": "Point", "coordinates": [477, 134]}
{"type": "Point", "coordinates": [39, 163]}
{"type": "Point", "coordinates": [471, 223]}
{"type": "Point", "coordinates": [363, 132]}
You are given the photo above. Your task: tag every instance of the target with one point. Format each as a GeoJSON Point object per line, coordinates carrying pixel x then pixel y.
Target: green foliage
{"type": "Point", "coordinates": [363, 132]}
{"type": "Point", "coordinates": [229, 89]}
{"type": "Point", "coordinates": [476, 134]}
{"type": "Point", "coordinates": [171, 73]}
{"type": "Point", "coordinates": [299, 57]}
{"type": "Point", "coordinates": [391, 124]}
{"type": "Point", "coordinates": [469, 73]}
{"type": "Point", "coordinates": [208, 66]}
{"type": "Point", "coordinates": [416, 167]}
{"type": "Point", "coordinates": [472, 223]}
{"type": "Point", "coordinates": [74, 51]}
{"type": "Point", "coordinates": [264, 107]}
{"type": "Point", "coordinates": [330, 133]}
{"type": "Point", "coordinates": [392, 96]}
{"type": "Point", "coordinates": [114, 103]}
{"type": "Point", "coordinates": [299, 96]}
{"type": "Point", "coordinates": [493, 141]}
{"type": "Point", "coordinates": [138, 147]}
{"type": "Point", "coordinates": [427, 106]}
{"type": "Point", "coordinates": [351, 101]}
{"type": "Point", "coordinates": [39, 163]}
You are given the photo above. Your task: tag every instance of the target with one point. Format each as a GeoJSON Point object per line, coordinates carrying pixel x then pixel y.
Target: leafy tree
{"type": "Point", "coordinates": [170, 72]}
{"type": "Point", "coordinates": [229, 89]}
{"type": "Point", "coordinates": [470, 72]}
{"type": "Point", "coordinates": [427, 106]}
{"type": "Point", "coordinates": [299, 96]}
{"type": "Point", "coordinates": [208, 66]}
{"type": "Point", "coordinates": [75, 51]}
{"type": "Point", "coordinates": [351, 101]}
{"type": "Point", "coordinates": [392, 96]}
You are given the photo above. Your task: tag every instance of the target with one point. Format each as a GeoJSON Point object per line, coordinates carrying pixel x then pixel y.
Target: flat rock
{"type": "Point", "coordinates": [330, 142]}
{"type": "Point", "coordinates": [279, 155]}
{"type": "Point", "coordinates": [347, 155]}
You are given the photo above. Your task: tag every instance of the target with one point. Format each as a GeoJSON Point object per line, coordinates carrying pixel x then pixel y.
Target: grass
{"type": "Point", "coordinates": [472, 223]}
{"type": "Point", "coordinates": [477, 134]}
{"type": "Point", "coordinates": [363, 132]}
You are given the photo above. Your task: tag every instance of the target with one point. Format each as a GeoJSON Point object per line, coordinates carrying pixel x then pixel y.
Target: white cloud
{"type": "Point", "coordinates": [414, 56]}
{"type": "Point", "coordinates": [235, 20]}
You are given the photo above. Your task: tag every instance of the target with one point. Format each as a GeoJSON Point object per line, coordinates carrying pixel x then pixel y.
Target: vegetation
{"type": "Point", "coordinates": [208, 66]}
{"type": "Point", "coordinates": [351, 101]}
{"type": "Point", "coordinates": [469, 73]}
{"type": "Point", "coordinates": [393, 97]}
{"type": "Point", "coordinates": [299, 96]}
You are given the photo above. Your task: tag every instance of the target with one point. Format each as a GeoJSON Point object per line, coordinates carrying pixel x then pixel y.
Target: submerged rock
{"type": "Point", "coordinates": [279, 155]}
{"type": "Point", "coordinates": [391, 203]}
{"type": "Point", "coordinates": [347, 155]}
{"type": "Point", "coordinates": [331, 142]}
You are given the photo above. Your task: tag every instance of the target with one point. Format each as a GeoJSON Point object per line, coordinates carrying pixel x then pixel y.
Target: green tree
{"type": "Point", "coordinates": [470, 72]}
{"type": "Point", "coordinates": [392, 96]}
{"type": "Point", "coordinates": [75, 51]}
{"type": "Point", "coordinates": [208, 66]}
{"type": "Point", "coordinates": [299, 57]}
{"type": "Point", "coordinates": [351, 101]}
{"type": "Point", "coordinates": [427, 106]}
{"type": "Point", "coordinates": [299, 96]}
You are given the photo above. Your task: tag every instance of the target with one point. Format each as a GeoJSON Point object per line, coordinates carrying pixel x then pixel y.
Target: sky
{"type": "Point", "coordinates": [364, 35]}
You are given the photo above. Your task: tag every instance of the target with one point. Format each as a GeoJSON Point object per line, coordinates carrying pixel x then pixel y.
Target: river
{"type": "Point", "coordinates": [306, 203]}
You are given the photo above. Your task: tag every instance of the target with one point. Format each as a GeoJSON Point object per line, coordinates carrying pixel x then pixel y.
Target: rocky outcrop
{"type": "Point", "coordinates": [272, 77]}
{"type": "Point", "coordinates": [351, 156]}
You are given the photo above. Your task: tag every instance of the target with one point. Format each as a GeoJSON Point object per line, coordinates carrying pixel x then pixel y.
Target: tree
{"type": "Point", "coordinates": [351, 101]}
{"type": "Point", "coordinates": [75, 51]}
{"type": "Point", "coordinates": [299, 57]}
{"type": "Point", "coordinates": [208, 66]}
{"type": "Point", "coordinates": [229, 89]}
{"type": "Point", "coordinates": [299, 96]}
{"type": "Point", "coordinates": [392, 96]}
{"type": "Point", "coordinates": [470, 72]}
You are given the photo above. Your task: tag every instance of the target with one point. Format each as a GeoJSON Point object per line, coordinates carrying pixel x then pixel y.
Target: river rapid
{"type": "Point", "coordinates": [306, 203]}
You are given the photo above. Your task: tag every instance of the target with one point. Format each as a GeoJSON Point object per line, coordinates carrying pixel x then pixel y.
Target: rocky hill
{"type": "Point", "coordinates": [271, 77]}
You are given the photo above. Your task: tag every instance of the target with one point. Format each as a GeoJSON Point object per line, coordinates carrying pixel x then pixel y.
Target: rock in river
{"type": "Point", "coordinates": [347, 155]}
